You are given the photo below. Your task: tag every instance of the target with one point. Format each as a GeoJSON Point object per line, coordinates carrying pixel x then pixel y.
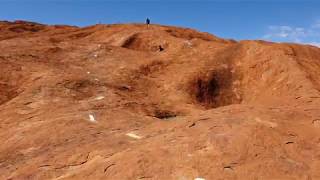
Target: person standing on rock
{"type": "Point", "coordinates": [148, 22]}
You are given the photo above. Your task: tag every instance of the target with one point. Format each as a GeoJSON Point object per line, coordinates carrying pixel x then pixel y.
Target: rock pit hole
{"type": "Point", "coordinates": [215, 89]}
{"type": "Point", "coordinates": [164, 114]}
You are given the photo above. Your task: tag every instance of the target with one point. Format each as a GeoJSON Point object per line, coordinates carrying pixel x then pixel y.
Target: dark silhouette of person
{"type": "Point", "coordinates": [148, 21]}
{"type": "Point", "coordinates": [160, 48]}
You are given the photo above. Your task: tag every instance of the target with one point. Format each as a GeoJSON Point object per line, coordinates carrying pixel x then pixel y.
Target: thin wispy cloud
{"type": "Point", "coordinates": [304, 35]}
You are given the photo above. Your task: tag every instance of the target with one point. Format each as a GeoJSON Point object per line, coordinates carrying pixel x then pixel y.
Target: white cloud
{"type": "Point", "coordinates": [307, 35]}
{"type": "Point", "coordinates": [314, 44]}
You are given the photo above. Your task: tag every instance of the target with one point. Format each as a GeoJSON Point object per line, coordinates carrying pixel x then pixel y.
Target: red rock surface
{"type": "Point", "coordinates": [102, 102]}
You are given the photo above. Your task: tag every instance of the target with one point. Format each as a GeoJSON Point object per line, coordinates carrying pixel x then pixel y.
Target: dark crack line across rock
{"type": "Point", "coordinates": [106, 168]}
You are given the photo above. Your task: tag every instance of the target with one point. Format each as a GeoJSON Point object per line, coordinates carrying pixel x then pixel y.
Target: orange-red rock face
{"type": "Point", "coordinates": [103, 102]}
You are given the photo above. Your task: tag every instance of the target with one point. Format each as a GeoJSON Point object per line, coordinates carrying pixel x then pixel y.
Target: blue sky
{"type": "Point", "coordinates": [275, 20]}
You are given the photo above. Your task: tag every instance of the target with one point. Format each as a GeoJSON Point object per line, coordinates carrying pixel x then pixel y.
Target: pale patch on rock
{"type": "Point", "coordinates": [132, 135]}
{"type": "Point", "coordinates": [198, 178]}
{"type": "Point", "coordinates": [266, 123]}
{"type": "Point", "coordinates": [99, 98]}
{"type": "Point", "coordinates": [188, 43]}
{"type": "Point", "coordinates": [91, 118]}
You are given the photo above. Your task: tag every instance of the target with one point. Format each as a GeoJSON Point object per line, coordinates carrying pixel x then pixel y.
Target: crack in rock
{"type": "Point", "coordinates": [109, 166]}
{"type": "Point", "coordinates": [74, 165]}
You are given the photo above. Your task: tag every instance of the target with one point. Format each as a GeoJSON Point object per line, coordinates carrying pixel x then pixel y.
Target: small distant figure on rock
{"type": "Point", "coordinates": [160, 48]}
{"type": "Point", "coordinates": [148, 22]}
